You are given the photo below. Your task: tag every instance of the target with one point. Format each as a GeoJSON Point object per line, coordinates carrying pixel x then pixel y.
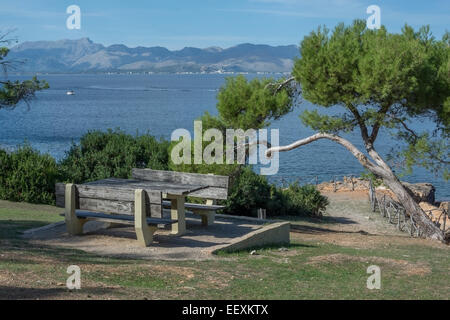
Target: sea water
{"type": "Point", "coordinates": [160, 103]}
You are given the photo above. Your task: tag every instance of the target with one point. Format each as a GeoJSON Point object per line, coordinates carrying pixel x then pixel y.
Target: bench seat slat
{"type": "Point", "coordinates": [123, 217]}
{"type": "Point", "coordinates": [196, 206]}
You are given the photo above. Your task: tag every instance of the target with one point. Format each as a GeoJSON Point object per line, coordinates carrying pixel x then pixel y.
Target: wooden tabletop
{"type": "Point", "coordinates": [176, 189]}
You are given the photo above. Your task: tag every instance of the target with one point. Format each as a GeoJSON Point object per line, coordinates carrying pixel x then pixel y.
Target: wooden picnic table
{"type": "Point", "coordinates": [176, 192]}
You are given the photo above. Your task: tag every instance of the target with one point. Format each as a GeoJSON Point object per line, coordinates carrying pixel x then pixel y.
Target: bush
{"type": "Point", "coordinates": [251, 191]}
{"type": "Point", "coordinates": [302, 200]}
{"type": "Point", "coordinates": [248, 192]}
{"type": "Point", "coordinates": [102, 155]}
{"type": "Point", "coordinates": [26, 175]}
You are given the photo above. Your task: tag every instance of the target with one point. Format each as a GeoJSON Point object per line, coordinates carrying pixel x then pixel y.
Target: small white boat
{"type": "Point", "coordinates": [70, 93]}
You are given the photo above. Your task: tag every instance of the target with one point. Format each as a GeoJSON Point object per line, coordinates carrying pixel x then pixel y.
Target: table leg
{"type": "Point", "coordinates": [209, 217]}
{"type": "Point", "coordinates": [177, 213]}
{"type": "Point", "coordinates": [73, 224]}
{"type": "Point", "coordinates": [144, 232]}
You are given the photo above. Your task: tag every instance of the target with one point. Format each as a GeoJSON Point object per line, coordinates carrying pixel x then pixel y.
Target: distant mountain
{"type": "Point", "coordinates": [83, 55]}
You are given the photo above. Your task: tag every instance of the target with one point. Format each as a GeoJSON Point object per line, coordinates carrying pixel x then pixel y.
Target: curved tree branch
{"type": "Point", "coordinates": [380, 169]}
{"type": "Point", "coordinates": [345, 143]}
{"type": "Point", "coordinates": [280, 85]}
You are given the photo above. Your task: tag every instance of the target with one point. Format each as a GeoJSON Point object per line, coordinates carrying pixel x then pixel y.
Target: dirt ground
{"type": "Point", "coordinates": [36, 269]}
{"type": "Point", "coordinates": [348, 221]}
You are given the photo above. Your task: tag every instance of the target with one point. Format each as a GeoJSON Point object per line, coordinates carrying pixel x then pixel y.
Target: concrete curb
{"type": "Point", "coordinates": [246, 218]}
{"type": "Point", "coordinates": [272, 234]}
{"type": "Point", "coordinates": [46, 227]}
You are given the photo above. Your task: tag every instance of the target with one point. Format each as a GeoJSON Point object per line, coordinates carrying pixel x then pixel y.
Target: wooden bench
{"type": "Point", "coordinates": [217, 189]}
{"type": "Point", "coordinates": [139, 207]}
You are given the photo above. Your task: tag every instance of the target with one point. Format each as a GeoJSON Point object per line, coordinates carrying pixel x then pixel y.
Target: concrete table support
{"type": "Point", "coordinates": [144, 232]}
{"type": "Point", "coordinates": [74, 225]}
{"type": "Point", "coordinates": [177, 212]}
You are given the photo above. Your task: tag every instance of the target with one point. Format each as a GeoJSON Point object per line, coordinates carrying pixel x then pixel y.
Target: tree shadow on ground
{"type": "Point", "coordinates": [63, 255]}
{"type": "Point", "coordinates": [269, 247]}
{"type": "Point", "coordinates": [12, 229]}
{"type": "Point", "coordinates": [316, 230]}
{"type": "Point", "coordinates": [317, 220]}
{"type": "Point", "coordinates": [15, 293]}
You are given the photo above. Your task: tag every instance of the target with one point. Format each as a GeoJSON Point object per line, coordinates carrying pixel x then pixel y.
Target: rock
{"type": "Point", "coordinates": [444, 205]}
{"type": "Point", "coordinates": [421, 192]}
{"type": "Point", "coordinates": [435, 213]}
{"type": "Point", "coordinates": [428, 207]}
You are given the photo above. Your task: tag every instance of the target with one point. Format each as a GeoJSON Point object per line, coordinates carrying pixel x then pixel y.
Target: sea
{"type": "Point", "coordinates": [158, 104]}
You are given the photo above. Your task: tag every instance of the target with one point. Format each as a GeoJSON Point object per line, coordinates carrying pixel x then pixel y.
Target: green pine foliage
{"type": "Point", "coordinates": [381, 81]}
{"type": "Point", "coordinates": [12, 92]}
{"type": "Point", "coordinates": [244, 104]}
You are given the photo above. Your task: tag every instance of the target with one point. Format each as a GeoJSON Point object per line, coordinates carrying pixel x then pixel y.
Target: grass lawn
{"type": "Point", "coordinates": [311, 268]}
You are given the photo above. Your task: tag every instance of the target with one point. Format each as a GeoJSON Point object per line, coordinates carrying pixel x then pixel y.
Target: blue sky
{"type": "Point", "coordinates": [204, 23]}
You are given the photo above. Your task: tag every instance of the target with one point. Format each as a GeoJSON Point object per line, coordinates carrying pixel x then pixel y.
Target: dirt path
{"type": "Point", "coordinates": [349, 221]}
{"type": "Point", "coordinates": [350, 211]}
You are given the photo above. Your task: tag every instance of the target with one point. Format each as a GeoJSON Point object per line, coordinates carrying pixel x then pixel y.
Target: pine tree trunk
{"type": "Point", "coordinates": [412, 208]}
{"type": "Point", "coordinates": [430, 230]}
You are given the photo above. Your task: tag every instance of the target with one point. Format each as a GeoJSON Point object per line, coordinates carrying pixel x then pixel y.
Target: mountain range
{"type": "Point", "coordinates": [83, 55]}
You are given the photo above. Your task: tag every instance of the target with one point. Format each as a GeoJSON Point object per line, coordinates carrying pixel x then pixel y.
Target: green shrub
{"type": "Point", "coordinates": [302, 200]}
{"type": "Point", "coordinates": [101, 155]}
{"type": "Point", "coordinates": [247, 193]}
{"type": "Point", "coordinates": [26, 175]}
{"type": "Point", "coordinates": [251, 191]}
